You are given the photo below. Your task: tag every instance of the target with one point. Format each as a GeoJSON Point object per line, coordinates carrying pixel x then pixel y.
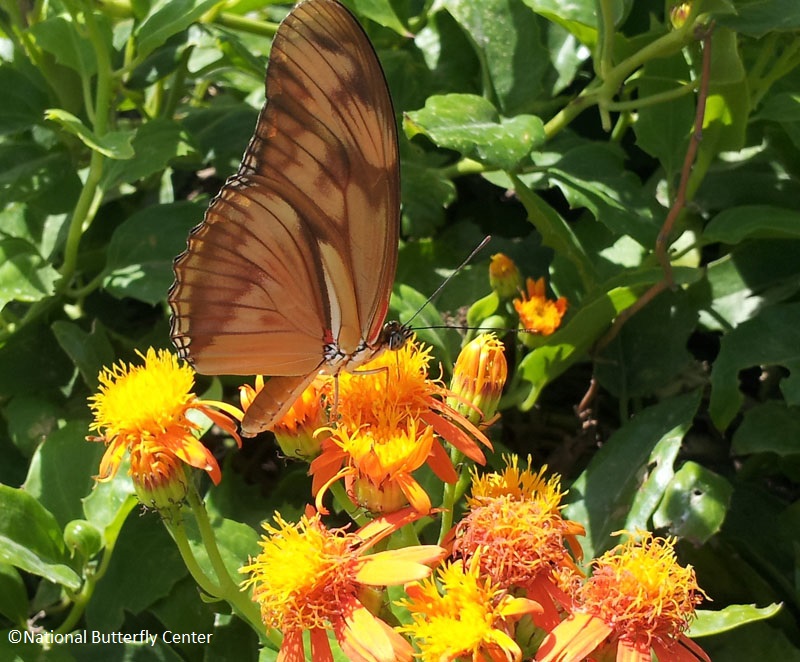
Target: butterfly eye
{"type": "Point", "coordinates": [297, 253]}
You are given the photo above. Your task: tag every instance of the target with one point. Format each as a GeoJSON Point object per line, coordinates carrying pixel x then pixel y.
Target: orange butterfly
{"type": "Point", "coordinates": [290, 272]}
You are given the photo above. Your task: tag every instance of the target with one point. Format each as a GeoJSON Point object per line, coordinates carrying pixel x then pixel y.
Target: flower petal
{"type": "Point", "coordinates": [399, 566]}
{"type": "Point", "coordinates": [573, 639]}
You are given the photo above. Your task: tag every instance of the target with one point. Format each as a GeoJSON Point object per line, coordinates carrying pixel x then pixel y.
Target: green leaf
{"type": "Point", "coordinates": [426, 195]}
{"type": "Point", "coordinates": [382, 12]}
{"type": "Point", "coordinates": [509, 40]}
{"type": "Point", "coordinates": [70, 43]}
{"type": "Point", "coordinates": [769, 339]}
{"type": "Point", "coordinates": [32, 362]}
{"type": "Point", "coordinates": [770, 427]}
{"type": "Point", "coordinates": [593, 176]}
{"type": "Point", "coordinates": [756, 18]}
{"type": "Point", "coordinates": [470, 125]}
{"type": "Point", "coordinates": [144, 569]}
{"type": "Point", "coordinates": [156, 144]}
{"type": "Point", "coordinates": [732, 616]}
{"type": "Point", "coordinates": [60, 473]}
{"type": "Point", "coordinates": [735, 224]}
{"type": "Point", "coordinates": [142, 249]}
{"type": "Point", "coordinates": [556, 232]}
{"type": "Point", "coordinates": [13, 596]}
{"type": "Point", "coordinates": [167, 18]}
{"type": "Point", "coordinates": [663, 129]}
{"type": "Point", "coordinates": [237, 542]}
{"type": "Point", "coordinates": [752, 277]}
{"type": "Point", "coordinates": [642, 358]}
{"type": "Point", "coordinates": [31, 419]}
{"type": "Point", "coordinates": [24, 99]}
{"type": "Point", "coordinates": [602, 494]}
{"type": "Point", "coordinates": [90, 352]}
{"type": "Point", "coordinates": [30, 539]}
{"type": "Point", "coordinates": [695, 504]}
{"type": "Point", "coordinates": [24, 275]}
{"type": "Point", "coordinates": [114, 144]}
{"type": "Point", "coordinates": [570, 343]}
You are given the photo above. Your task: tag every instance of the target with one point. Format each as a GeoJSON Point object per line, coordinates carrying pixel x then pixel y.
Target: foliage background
{"type": "Point", "coordinates": [558, 127]}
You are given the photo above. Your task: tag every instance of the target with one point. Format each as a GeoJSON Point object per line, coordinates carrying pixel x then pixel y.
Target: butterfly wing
{"type": "Point", "coordinates": [300, 246]}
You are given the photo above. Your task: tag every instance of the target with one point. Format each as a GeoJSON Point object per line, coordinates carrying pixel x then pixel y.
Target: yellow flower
{"type": "Point", "coordinates": [504, 277]}
{"type": "Point", "coordinates": [639, 600]}
{"type": "Point", "coordinates": [478, 378]}
{"type": "Point", "coordinates": [537, 313]}
{"type": "Point", "coordinates": [515, 527]}
{"type": "Point", "coordinates": [143, 410]}
{"type": "Point", "coordinates": [464, 615]}
{"type": "Point", "coordinates": [309, 578]}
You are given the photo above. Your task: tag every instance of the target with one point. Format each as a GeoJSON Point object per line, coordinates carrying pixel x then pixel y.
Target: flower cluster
{"type": "Point", "coordinates": [504, 583]}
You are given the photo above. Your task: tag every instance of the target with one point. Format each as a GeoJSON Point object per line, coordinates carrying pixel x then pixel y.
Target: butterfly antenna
{"type": "Point", "coordinates": [475, 250]}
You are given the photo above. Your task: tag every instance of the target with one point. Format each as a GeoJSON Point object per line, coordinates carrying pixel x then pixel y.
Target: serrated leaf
{"type": "Point", "coordinates": [142, 249]}
{"type": "Point", "coordinates": [30, 538]}
{"type": "Point", "coordinates": [114, 144]}
{"type": "Point", "coordinates": [472, 126]}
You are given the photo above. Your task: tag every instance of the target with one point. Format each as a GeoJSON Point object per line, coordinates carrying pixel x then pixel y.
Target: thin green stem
{"type": "Point", "coordinates": [92, 578]}
{"type": "Point", "coordinates": [228, 588]}
{"type": "Point", "coordinates": [605, 60]}
{"type": "Point", "coordinates": [177, 531]}
{"type": "Point", "coordinates": [654, 99]}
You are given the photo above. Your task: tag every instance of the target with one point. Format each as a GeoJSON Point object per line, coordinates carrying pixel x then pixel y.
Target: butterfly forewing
{"type": "Point", "coordinates": [299, 247]}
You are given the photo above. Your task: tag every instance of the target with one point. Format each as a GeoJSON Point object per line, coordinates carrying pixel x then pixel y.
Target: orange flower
{"type": "Point", "coordinates": [515, 527]}
{"type": "Point", "coordinates": [464, 616]}
{"type": "Point", "coordinates": [637, 601]}
{"type": "Point", "coordinates": [144, 410]}
{"type": "Point", "coordinates": [537, 313]}
{"type": "Point", "coordinates": [387, 416]}
{"type": "Point", "coordinates": [309, 578]}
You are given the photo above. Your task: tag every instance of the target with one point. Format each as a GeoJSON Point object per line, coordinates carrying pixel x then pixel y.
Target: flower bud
{"type": "Point", "coordinates": [504, 276]}
{"type": "Point", "coordinates": [478, 378]}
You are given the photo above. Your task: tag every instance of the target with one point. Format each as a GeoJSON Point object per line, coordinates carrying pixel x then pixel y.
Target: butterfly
{"type": "Point", "coordinates": [291, 270]}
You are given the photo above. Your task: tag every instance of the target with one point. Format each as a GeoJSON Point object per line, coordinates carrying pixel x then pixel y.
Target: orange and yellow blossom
{"type": "Point", "coordinates": [479, 375]}
{"type": "Point", "coordinates": [537, 313]}
{"type": "Point", "coordinates": [310, 578]}
{"type": "Point", "coordinates": [387, 416]}
{"type": "Point", "coordinates": [638, 601]}
{"type": "Point", "coordinates": [464, 615]}
{"type": "Point", "coordinates": [143, 410]}
{"type": "Point", "coordinates": [515, 527]}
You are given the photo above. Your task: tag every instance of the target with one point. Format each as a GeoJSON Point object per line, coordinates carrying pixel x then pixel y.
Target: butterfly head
{"type": "Point", "coordinates": [395, 335]}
